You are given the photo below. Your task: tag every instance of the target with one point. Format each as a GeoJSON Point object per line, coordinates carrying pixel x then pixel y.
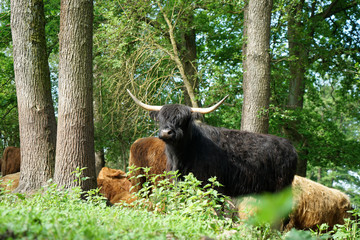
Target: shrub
{"type": "Point", "coordinates": [171, 210]}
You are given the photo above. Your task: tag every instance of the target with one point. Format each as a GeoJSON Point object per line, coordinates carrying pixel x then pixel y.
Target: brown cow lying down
{"type": "Point", "coordinates": [10, 177]}
{"type": "Point", "coordinates": [314, 204]}
{"type": "Point", "coordinates": [147, 152]}
{"type": "Point", "coordinates": [10, 161]}
{"type": "Point", "coordinates": [115, 185]}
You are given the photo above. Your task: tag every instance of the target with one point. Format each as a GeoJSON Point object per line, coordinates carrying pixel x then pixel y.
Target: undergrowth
{"type": "Point", "coordinates": [171, 210]}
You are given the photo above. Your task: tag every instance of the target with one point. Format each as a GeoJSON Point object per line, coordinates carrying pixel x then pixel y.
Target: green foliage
{"type": "Point", "coordinates": [271, 208]}
{"type": "Point", "coordinates": [135, 56]}
{"type": "Point", "coordinates": [181, 210]}
{"type": "Point", "coordinates": [187, 198]}
{"type": "Point", "coordinates": [9, 126]}
{"type": "Point", "coordinates": [52, 27]}
{"type": "Point", "coordinates": [138, 55]}
{"type": "Point", "coordinates": [294, 234]}
{"type": "Point", "coordinates": [131, 51]}
{"type": "Point", "coordinates": [78, 175]}
{"type": "Point", "coordinates": [5, 32]}
{"type": "Point", "coordinates": [57, 213]}
{"type": "Point", "coordinates": [339, 177]}
{"type": "Point", "coordinates": [349, 230]}
{"type": "Point", "coordinates": [320, 138]}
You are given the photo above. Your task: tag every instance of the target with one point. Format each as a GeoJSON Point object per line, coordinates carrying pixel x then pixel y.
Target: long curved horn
{"type": "Point", "coordinates": [209, 109]}
{"type": "Point", "coordinates": [143, 105]}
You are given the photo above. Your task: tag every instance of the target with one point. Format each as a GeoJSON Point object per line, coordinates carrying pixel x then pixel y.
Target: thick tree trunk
{"type": "Point", "coordinates": [36, 112]}
{"type": "Point", "coordinates": [75, 139]}
{"type": "Point", "coordinates": [256, 83]}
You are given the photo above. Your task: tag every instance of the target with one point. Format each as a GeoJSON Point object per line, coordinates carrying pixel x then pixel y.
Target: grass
{"type": "Point", "coordinates": [183, 210]}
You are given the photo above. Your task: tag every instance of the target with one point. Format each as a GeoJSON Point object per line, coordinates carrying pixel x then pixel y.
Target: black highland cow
{"type": "Point", "coordinates": [243, 162]}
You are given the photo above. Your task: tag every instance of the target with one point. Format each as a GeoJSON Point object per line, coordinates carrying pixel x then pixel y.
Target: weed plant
{"type": "Point", "coordinates": [169, 210]}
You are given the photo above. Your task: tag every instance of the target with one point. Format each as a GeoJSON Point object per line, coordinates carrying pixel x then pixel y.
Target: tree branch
{"type": "Point", "coordinates": [334, 9]}
{"type": "Point", "coordinates": [176, 58]}
{"type": "Point", "coordinates": [8, 111]}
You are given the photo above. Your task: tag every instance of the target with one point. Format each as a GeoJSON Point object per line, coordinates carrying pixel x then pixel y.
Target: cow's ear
{"type": "Point", "coordinates": [154, 115]}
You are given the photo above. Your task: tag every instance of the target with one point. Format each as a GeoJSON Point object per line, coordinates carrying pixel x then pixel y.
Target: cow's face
{"type": "Point", "coordinates": [174, 122]}
{"type": "Point", "coordinates": [174, 119]}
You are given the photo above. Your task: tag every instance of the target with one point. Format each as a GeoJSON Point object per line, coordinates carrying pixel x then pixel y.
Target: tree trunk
{"type": "Point", "coordinates": [99, 161]}
{"type": "Point", "coordinates": [98, 123]}
{"type": "Point", "coordinates": [256, 83]}
{"type": "Point", "coordinates": [298, 55]}
{"type": "Point", "coordinates": [187, 47]}
{"type": "Point", "coordinates": [75, 139]}
{"type": "Point", "coordinates": [297, 65]}
{"type": "Point", "coordinates": [32, 77]}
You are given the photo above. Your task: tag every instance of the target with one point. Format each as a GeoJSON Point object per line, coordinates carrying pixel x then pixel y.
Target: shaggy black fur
{"type": "Point", "coordinates": [243, 162]}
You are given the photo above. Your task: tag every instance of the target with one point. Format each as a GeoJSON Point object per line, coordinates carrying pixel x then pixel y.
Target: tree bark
{"type": "Point", "coordinates": [297, 65]}
{"type": "Point", "coordinates": [256, 83]}
{"type": "Point", "coordinates": [32, 77]}
{"type": "Point", "coordinates": [299, 57]}
{"type": "Point", "coordinates": [75, 139]}
{"type": "Point", "coordinates": [98, 123]}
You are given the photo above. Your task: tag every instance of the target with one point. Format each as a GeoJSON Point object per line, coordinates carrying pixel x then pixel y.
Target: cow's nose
{"type": "Point", "coordinates": [166, 134]}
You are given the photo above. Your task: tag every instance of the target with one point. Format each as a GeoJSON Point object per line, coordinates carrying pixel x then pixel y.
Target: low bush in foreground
{"type": "Point", "coordinates": [183, 210]}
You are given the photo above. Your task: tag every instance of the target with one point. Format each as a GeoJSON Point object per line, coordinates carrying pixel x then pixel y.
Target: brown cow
{"type": "Point", "coordinates": [4, 181]}
{"type": "Point", "coordinates": [313, 205]}
{"type": "Point", "coordinates": [10, 161]}
{"type": "Point", "coordinates": [115, 185]}
{"type": "Point", "coordinates": [147, 152]}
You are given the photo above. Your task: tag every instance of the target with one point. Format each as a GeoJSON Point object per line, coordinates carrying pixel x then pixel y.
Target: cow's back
{"type": "Point", "coordinates": [243, 162]}
{"type": "Point", "coordinates": [11, 161]}
{"type": "Point", "coordinates": [273, 158]}
{"type": "Point", "coordinates": [147, 152]}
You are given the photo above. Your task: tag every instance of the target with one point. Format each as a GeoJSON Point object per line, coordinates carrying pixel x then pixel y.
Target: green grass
{"type": "Point", "coordinates": [182, 211]}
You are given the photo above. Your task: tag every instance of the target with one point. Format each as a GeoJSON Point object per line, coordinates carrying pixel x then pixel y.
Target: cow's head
{"type": "Point", "coordinates": [174, 119]}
